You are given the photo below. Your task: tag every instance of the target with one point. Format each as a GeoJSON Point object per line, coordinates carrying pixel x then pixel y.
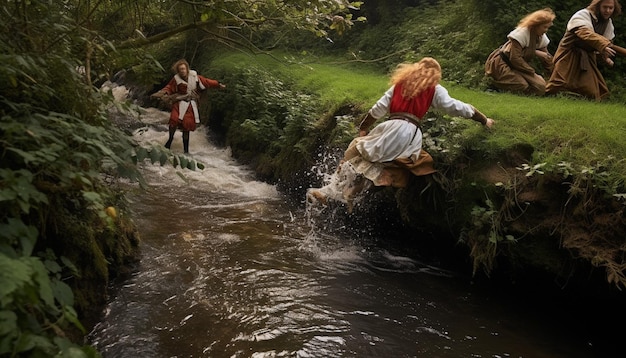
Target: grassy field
{"type": "Point", "coordinates": [582, 135]}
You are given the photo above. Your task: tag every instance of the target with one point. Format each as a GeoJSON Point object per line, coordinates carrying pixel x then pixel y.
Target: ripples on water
{"type": "Point", "coordinates": [229, 269]}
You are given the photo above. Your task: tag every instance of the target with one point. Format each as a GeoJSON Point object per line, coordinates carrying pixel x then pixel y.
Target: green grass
{"type": "Point", "coordinates": [579, 132]}
{"type": "Point", "coordinates": [561, 129]}
{"type": "Point", "coordinates": [331, 81]}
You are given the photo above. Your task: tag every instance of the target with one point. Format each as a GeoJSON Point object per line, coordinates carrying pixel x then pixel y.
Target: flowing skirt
{"type": "Point", "coordinates": [394, 146]}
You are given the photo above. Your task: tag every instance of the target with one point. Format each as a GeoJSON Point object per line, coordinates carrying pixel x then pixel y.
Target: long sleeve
{"type": "Point", "coordinates": [546, 60]}
{"type": "Point", "coordinates": [171, 87]}
{"type": "Point", "coordinates": [591, 38]}
{"type": "Point", "coordinates": [208, 82]}
{"type": "Point", "coordinates": [517, 61]}
{"type": "Point", "coordinates": [381, 107]}
{"type": "Point", "coordinates": [443, 102]}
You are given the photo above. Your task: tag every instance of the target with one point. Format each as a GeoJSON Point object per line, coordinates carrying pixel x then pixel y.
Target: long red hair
{"type": "Point", "coordinates": [416, 77]}
{"type": "Point", "coordinates": [537, 18]}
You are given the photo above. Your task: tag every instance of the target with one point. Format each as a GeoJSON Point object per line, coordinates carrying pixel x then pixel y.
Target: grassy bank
{"type": "Point", "coordinates": [566, 132]}
{"type": "Point", "coordinates": [332, 81]}
{"type": "Point", "coordinates": [543, 188]}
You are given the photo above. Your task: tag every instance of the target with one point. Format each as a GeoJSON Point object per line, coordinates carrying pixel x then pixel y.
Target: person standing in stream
{"type": "Point", "coordinates": [183, 92]}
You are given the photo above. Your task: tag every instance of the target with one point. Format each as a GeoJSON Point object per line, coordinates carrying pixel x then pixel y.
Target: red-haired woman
{"type": "Point", "coordinates": [388, 154]}
{"type": "Point", "coordinates": [509, 66]}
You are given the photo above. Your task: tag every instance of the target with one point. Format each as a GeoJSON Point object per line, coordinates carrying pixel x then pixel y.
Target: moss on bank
{"type": "Point", "coordinates": [542, 190]}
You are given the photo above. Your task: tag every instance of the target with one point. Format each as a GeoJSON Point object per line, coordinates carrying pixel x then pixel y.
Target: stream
{"type": "Point", "coordinates": [229, 268]}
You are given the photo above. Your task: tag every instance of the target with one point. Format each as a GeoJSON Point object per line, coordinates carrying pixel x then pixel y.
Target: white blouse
{"type": "Point", "coordinates": [441, 101]}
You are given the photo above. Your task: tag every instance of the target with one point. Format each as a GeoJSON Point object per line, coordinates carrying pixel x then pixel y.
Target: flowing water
{"type": "Point", "coordinates": [230, 269]}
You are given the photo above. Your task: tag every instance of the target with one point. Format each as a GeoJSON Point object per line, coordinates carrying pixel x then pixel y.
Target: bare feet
{"type": "Point", "coordinates": [314, 195]}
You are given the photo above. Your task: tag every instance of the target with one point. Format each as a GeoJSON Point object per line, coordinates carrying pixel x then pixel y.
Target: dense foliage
{"type": "Point", "coordinates": [62, 223]}
{"type": "Point", "coordinates": [460, 34]}
{"type": "Point", "coordinates": [62, 220]}
{"type": "Point", "coordinates": [64, 228]}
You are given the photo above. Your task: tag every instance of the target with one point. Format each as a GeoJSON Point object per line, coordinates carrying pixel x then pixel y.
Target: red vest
{"type": "Point", "coordinates": [417, 105]}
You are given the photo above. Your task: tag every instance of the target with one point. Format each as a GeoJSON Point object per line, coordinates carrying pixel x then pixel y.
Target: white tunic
{"type": "Point", "coordinates": [522, 35]}
{"type": "Point", "coordinates": [583, 18]}
{"type": "Point", "coordinates": [192, 82]}
{"type": "Point", "coordinates": [398, 139]}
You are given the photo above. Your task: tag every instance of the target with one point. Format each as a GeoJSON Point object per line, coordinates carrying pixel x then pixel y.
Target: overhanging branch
{"type": "Point", "coordinates": [140, 42]}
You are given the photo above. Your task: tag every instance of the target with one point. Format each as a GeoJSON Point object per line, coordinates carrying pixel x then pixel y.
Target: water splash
{"type": "Point", "coordinates": [343, 185]}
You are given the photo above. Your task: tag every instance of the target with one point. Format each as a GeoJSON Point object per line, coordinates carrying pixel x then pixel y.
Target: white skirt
{"type": "Point", "coordinates": [389, 140]}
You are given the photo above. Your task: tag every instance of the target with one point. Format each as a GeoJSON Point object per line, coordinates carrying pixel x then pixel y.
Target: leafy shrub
{"type": "Point", "coordinates": [460, 34]}
{"type": "Point", "coordinates": [265, 118]}
{"type": "Point", "coordinates": [58, 150]}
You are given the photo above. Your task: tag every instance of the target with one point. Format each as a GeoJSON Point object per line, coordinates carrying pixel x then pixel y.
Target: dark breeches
{"type": "Point", "coordinates": [185, 139]}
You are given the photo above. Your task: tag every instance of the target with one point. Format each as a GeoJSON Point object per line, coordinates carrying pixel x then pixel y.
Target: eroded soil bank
{"type": "Point", "coordinates": [508, 221]}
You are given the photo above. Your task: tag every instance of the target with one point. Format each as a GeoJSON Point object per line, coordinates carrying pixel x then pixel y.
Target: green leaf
{"type": "Point", "coordinates": [7, 194]}
{"type": "Point", "coordinates": [163, 158]}
{"type": "Point", "coordinates": [183, 161]}
{"type": "Point", "coordinates": [142, 153]}
{"type": "Point", "coordinates": [8, 322]}
{"type": "Point", "coordinates": [42, 281]}
{"type": "Point", "coordinates": [62, 292]}
{"type": "Point", "coordinates": [52, 266]}
{"type": "Point", "coordinates": [94, 198]}
{"type": "Point", "coordinates": [154, 156]}
{"type": "Point", "coordinates": [15, 231]}
{"type": "Point", "coordinates": [29, 341]}
{"type": "Point", "coordinates": [70, 265]}
{"type": "Point", "coordinates": [14, 274]}
{"type": "Point", "coordinates": [70, 314]}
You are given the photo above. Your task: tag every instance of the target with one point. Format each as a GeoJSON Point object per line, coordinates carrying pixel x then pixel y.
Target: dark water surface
{"type": "Point", "coordinates": [229, 269]}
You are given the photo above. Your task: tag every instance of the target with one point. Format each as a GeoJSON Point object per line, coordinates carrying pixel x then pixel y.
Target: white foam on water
{"type": "Point", "coordinates": [221, 172]}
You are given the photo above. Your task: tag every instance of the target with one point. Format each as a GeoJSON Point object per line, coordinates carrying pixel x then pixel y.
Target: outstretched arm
{"type": "Point", "coordinates": [211, 83]}
{"type": "Point", "coordinates": [443, 102]}
{"type": "Point", "coordinates": [480, 117]}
